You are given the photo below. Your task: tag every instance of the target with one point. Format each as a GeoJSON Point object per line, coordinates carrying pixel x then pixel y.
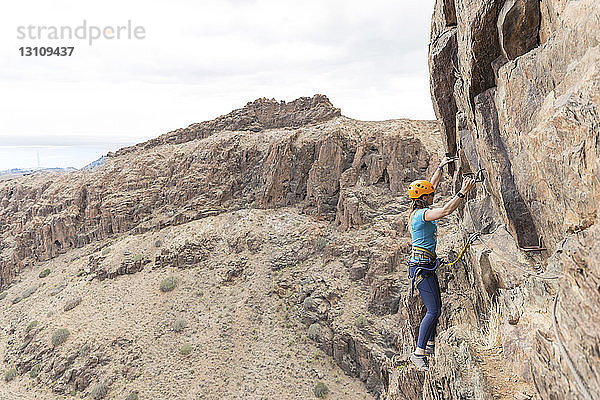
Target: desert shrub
{"type": "Point", "coordinates": [308, 303]}
{"type": "Point", "coordinates": [314, 331]}
{"type": "Point", "coordinates": [168, 284]}
{"type": "Point", "coordinates": [35, 370]}
{"type": "Point", "coordinates": [99, 391]}
{"type": "Point", "coordinates": [29, 291]}
{"type": "Point", "coordinates": [320, 390]}
{"type": "Point", "coordinates": [60, 336]}
{"type": "Point", "coordinates": [361, 322]}
{"type": "Point", "coordinates": [31, 325]}
{"type": "Point", "coordinates": [132, 396]}
{"type": "Point", "coordinates": [179, 325]}
{"type": "Point", "coordinates": [84, 350]}
{"type": "Point", "coordinates": [10, 374]}
{"type": "Point", "coordinates": [185, 349]}
{"type": "Point", "coordinates": [321, 243]}
{"type": "Point", "coordinates": [3, 295]}
{"type": "Point", "coordinates": [158, 243]}
{"type": "Point", "coordinates": [17, 299]}
{"type": "Point", "coordinates": [138, 257]}
{"type": "Point", "coordinates": [105, 251]}
{"type": "Point", "coordinates": [45, 273]}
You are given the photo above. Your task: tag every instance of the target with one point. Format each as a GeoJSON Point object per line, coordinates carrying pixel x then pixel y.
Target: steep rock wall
{"type": "Point", "coordinates": [516, 89]}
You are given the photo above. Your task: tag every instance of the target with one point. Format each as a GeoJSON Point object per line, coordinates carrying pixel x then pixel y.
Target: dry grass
{"type": "Point", "coordinates": [320, 390]}
{"type": "Point", "coordinates": [10, 375]}
{"type": "Point", "coordinates": [186, 349]}
{"type": "Point", "coordinates": [99, 392]}
{"type": "Point", "coordinates": [491, 337]}
{"type": "Point", "coordinates": [179, 325]}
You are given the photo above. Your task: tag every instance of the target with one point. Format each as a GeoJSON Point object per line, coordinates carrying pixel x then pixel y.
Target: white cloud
{"type": "Point", "coordinates": [201, 59]}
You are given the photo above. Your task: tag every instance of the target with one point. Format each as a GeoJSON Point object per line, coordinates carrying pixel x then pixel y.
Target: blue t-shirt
{"type": "Point", "coordinates": [423, 233]}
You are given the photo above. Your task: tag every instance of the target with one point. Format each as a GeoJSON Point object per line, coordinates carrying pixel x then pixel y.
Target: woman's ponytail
{"type": "Point", "coordinates": [419, 203]}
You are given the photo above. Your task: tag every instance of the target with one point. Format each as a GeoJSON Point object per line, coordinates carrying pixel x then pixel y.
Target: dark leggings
{"type": "Point", "coordinates": [429, 289]}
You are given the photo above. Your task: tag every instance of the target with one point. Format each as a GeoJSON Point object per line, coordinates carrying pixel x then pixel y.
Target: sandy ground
{"type": "Point", "coordinates": [247, 342]}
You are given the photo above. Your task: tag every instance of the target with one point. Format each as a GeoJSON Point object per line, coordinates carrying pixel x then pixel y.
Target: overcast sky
{"type": "Point", "coordinates": [199, 60]}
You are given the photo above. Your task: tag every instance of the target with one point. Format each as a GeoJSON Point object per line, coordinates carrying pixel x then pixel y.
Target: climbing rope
{"type": "Point", "coordinates": [471, 239]}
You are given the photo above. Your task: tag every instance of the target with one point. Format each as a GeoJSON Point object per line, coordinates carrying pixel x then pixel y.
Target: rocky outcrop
{"type": "Point", "coordinates": [185, 256]}
{"type": "Point", "coordinates": [168, 184]}
{"type": "Point", "coordinates": [255, 116]}
{"type": "Point", "coordinates": [75, 371]}
{"type": "Point", "coordinates": [442, 54]}
{"type": "Point", "coordinates": [518, 27]}
{"type": "Point", "coordinates": [524, 106]}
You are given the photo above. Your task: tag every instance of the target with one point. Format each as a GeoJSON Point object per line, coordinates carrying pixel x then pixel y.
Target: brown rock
{"type": "Point", "coordinates": [518, 27]}
{"type": "Point", "coordinates": [550, 11]}
{"type": "Point", "coordinates": [526, 90]}
{"type": "Point", "coordinates": [71, 304]}
{"type": "Point", "coordinates": [385, 297]}
{"type": "Point", "coordinates": [255, 116]}
{"type": "Point", "coordinates": [442, 65]}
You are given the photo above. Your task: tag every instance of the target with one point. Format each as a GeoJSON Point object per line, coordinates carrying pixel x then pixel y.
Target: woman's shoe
{"type": "Point", "coordinates": [429, 350]}
{"type": "Point", "coordinates": [420, 361]}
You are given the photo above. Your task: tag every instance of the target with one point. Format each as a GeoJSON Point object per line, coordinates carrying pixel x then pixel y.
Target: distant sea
{"type": "Point", "coordinates": [71, 156]}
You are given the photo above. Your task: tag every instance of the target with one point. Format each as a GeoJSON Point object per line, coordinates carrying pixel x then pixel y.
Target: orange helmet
{"type": "Point", "coordinates": [419, 188]}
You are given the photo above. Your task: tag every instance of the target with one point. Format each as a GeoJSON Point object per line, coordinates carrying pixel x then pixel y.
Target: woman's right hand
{"type": "Point", "coordinates": [467, 185]}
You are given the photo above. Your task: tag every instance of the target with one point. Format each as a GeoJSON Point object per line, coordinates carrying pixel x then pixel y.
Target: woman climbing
{"type": "Point", "coordinates": [423, 230]}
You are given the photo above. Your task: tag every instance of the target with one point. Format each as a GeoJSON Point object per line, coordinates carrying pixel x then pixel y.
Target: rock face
{"type": "Point", "coordinates": [518, 27]}
{"type": "Point", "coordinates": [516, 89]}
{"type": "Point", "coordinates": [189, 174]}
{"type": "Point", "coordinates": [42, 217]}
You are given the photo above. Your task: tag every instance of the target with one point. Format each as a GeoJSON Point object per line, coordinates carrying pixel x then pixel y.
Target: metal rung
{"type": "Point", "coordinates": [539, 247]}
{"type": "Point", "coordinates": [479, 176]}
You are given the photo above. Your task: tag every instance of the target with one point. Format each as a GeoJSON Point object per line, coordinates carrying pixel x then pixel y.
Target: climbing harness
{"type": "Point", "coordinates": [421, 251]}
{"type": "Point", "coordinates": [423, 270]}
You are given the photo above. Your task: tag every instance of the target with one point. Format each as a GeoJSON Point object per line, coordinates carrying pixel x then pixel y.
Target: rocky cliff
{"type": "Point", "coordinates": [516, 89]}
